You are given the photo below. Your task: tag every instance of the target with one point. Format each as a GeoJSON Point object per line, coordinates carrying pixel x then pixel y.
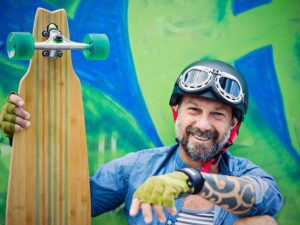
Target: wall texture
{"type": "Point", "coordinates": [126, 96]}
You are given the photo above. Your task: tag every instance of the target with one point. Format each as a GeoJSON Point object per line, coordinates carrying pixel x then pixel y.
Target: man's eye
{"type": "Point", "coordinates": [218, 114]}
{"type": "Point", "coordinates": [193, 109]}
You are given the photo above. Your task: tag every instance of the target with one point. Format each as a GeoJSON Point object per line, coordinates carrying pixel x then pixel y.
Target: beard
{"type": "Point", "coordinates": [201, 152]}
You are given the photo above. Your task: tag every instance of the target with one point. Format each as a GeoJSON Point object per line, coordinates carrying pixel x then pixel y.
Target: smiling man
{"type": "Point", "coordinates": [209, 100]}
{"type": "Point", "coordinates": [194, 181]}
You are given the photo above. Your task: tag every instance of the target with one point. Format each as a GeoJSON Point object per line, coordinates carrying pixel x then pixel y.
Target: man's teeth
{"type": "Point", "coordinates": [200, 137]}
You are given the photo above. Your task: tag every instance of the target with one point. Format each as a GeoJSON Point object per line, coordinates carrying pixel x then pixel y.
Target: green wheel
{"type": "Point", "coordinates": [99, 46]}
{"type": "Point", "coordinates": [20, 45]}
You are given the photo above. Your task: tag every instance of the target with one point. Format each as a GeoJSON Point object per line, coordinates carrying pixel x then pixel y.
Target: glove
{"type": "Point", "coordinates": [163, 190]}
{"type": "Point", "coordinates": [8, 118]}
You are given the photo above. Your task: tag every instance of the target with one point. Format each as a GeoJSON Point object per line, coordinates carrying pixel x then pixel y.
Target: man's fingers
{"type": "Point", "coordinates": [13, 119]}
{"type": "Point", "coordinates": [135, 206]}
{"type": "Point", "coordinates": [20, 112]}
{"type": "Point", "coordinates": [9, 108]}
{"type": "Point", "coordinates": [159, 211]}
{"type": "Point", "coordinates": [172, 210]}
{"type": "Point", "coordinates": [14, 106]}
{"type": "Point", "coordinates": [21, 122]}
{"type": "Point", "coordinates": [8, 128]}
{"type": "Point", "coordinates": [16, 99]}
{"type": "Point", "coordinates": [18, 128]}
{"type": "Point", "coordinates": [147, 212]}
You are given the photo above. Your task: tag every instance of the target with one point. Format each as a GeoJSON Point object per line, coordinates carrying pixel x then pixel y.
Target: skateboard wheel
{"type": "Point", "coordinates": [99, 46]}
{"type": "Point", "coordinates": [20, 45]}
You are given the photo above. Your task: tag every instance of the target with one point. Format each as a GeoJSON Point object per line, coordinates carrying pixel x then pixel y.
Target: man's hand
{"type": "Point", "coordinates": [235, 194]}
{"type": "Point", "coordinates": [13, 118]}
{"type": "Point", "coordinates": [158, 192]}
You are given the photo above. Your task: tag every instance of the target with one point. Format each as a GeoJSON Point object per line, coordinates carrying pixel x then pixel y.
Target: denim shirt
{"type": "Point", "coordinates": [115, 183]}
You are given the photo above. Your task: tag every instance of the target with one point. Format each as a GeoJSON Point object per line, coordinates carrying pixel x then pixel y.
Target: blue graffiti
{"type": "Point", "coordinates": [259, 70]}
{"type": "Point", "coordinates": [240, 6]}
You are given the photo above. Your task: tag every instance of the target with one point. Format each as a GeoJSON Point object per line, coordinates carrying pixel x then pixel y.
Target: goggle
{"type": "Point", "coordinates": [199, 78]}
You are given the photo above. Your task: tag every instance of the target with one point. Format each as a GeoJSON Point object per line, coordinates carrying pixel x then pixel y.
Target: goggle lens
{"type": "Point", "coordinates": [195, 77]}
{"type": "Point", "coordinates": [230, 86]}
{"type": "Point", "coordinates": [195, 80]}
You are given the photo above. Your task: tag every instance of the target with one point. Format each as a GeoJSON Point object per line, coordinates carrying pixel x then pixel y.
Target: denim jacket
{"type": "Point", "coordinates": [115, 183]}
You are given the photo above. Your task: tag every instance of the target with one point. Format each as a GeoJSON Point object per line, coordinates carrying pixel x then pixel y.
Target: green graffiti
{"type": "Point", "coordinates": [70, 6]}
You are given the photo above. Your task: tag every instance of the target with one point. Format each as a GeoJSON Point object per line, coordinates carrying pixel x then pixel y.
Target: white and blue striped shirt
{"type": "Point", "coordinates": [195, 217]}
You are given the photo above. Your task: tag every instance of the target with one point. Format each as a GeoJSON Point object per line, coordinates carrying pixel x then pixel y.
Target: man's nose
{"type": "Point", "coordinates": [203, 123]}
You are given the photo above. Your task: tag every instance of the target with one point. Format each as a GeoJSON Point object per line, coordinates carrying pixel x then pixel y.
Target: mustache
{"type": "Point", "coordinates": [204, 134]}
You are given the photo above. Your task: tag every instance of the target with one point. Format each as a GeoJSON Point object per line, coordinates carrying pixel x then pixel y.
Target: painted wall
{"type": "Point", "coordinates": [151, 42]}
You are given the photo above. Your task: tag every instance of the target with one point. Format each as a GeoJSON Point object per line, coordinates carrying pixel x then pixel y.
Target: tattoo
{"type": "Point", "coordinates": [235, 194]}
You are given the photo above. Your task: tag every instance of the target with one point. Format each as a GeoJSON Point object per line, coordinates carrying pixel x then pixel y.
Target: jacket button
{"type": "Point", "coordinates": [169, 222]}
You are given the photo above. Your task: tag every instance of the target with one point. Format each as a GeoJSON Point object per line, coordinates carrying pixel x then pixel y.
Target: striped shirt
{"type": "Point", "coordinates": [195, 217]}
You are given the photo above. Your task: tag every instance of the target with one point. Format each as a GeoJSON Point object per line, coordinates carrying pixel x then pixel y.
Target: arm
{"type": "Point", "coordinates": [243, 196]}
{"type": "Point", "coordinates": [235, 194]}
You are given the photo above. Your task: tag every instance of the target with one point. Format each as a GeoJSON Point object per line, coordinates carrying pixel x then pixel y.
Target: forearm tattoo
{"type": "Point", "coordinates": [235, 194]}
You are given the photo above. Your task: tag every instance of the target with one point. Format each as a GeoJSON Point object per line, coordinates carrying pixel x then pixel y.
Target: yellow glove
{"type": "Point", "coordinates": [163, 190]}
{"type": "Point", "coordinates": [13, 118]}
{"type": "Point", "coordinates": [8, 118]}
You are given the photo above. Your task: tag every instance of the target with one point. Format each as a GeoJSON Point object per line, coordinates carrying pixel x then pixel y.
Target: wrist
{"type": "Point", "coordinates": [195, 179]}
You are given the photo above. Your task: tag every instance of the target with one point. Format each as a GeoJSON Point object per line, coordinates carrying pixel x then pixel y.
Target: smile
{"type": "Point", "coordinates": [200, 138]}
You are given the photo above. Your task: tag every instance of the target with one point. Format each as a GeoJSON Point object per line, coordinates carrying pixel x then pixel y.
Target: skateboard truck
{"type": "Point", "coordinates": [57, 42]}
{"type": "Point", "coordinates": [21, 45]}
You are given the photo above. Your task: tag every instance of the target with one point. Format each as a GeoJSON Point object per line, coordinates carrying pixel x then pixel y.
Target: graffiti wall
{"type": "Point", "coordinates": [126, 96]}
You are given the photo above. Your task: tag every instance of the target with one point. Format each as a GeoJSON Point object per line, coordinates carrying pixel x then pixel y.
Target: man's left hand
{"type": "Point", "coordinates": [159, 192]}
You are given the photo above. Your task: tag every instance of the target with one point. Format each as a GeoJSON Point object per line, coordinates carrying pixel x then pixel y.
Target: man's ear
{"type": "Point", "coordinates": [175, 107]}
{"type": "Point", "coordinates": [234, 122]}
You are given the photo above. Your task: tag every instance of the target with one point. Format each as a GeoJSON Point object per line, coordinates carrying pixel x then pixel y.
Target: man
{"type": "Point", "coordinates": [194, 181]}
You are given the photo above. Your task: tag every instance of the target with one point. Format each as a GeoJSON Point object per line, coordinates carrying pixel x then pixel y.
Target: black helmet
{"type": "Point", "coordinates": [215, 80]}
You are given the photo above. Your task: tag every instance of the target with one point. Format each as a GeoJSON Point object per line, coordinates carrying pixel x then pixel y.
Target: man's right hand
{"type": "Point", "coordinates": [13, 118]}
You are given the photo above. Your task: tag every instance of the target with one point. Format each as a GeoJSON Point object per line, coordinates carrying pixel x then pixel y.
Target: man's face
{"type": "Point", "coordinates": [203, 127]}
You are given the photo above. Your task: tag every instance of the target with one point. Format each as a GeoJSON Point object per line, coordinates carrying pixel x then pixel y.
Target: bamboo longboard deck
{"type": "Point", "coordinates": [49, 181]}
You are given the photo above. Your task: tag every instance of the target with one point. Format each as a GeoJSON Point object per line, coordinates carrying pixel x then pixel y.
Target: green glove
{"type": "Point", "coordinates": [8, 118]}
{"type": "Point", "coordinates": [163, 190]}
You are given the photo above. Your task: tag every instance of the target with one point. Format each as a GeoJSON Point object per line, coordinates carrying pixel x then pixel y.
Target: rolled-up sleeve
{"type": "Point", "coordinates": [268, 199]}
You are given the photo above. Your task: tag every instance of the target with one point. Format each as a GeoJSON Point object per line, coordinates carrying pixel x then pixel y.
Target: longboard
{"type": "Point", "coordinates": [49, 178]}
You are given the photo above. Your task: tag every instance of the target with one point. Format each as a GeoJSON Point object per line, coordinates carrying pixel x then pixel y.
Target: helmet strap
{"type": "Point", "coordinates": [175, 113]}
{"type": "Point", "coordinates": [207, 165]}
{"type": "Point", "coordinates": [233, 136]}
